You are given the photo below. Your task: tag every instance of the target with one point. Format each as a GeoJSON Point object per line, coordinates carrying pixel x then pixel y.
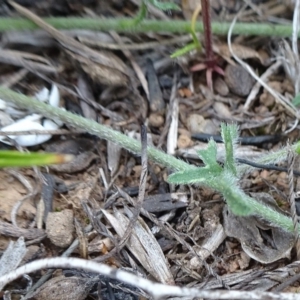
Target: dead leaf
{"type": "Point", "coordinates": [242, 52]}
{"type": "Point", "coordinates": [31, 62]}
{"type": "Point", "coordinates": [101, 66]}
{"type": "Point", "coordinates": [143, 245]}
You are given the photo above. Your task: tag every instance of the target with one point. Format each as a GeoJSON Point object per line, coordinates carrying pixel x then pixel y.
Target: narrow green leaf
{"type": "Point", "coordinates": [296, 100]}
{"type": "Point", "coordinates": [19, 159]}
{"type": "Point", "coordinates": [186, 49]}
{"type": "Point", "coordinates": [229, 135]}
{"type": "Point", "coordinates": [209, 155]}
{"type": "Point", "coordinates": [198, 176]}
{"type": "Point", "coordinates": [141, 15]}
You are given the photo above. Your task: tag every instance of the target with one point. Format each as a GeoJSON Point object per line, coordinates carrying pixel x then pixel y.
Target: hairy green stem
{"type": "Point", "coordinates": [270, 158]}
{"type": "Point", "coordinates": [127, 25]}
{"type": "Point", "coordinates": [243, 205]}
{"type": "Point", "coordinates": [92, 127]}
{"type": "Point", "coordinates": [234, 196]}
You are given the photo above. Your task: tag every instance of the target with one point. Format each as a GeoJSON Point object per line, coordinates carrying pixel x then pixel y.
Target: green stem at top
{"type": "Point", "coordinates": [92, 127]}
{"type": "Point", "coordinates": [126, 25]}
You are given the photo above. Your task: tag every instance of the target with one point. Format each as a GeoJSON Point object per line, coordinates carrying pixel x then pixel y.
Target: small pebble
{"type": "Point", "coordinates": [196, 123]}
{"type": "Point", "coordinates": [156, 120]}
{"type": "Point", "coordinates": [183, 141]}
{"type": "Point", "coordinates": [239, 81]}
{"type": "Point", "coordinates": [221, 87]}
{"type": "Point", "coordinates": [222, 110]}
{"type": "Point", "coordinates": [62, 287]}
{"type": "Point", "coordinates": [60, 228]}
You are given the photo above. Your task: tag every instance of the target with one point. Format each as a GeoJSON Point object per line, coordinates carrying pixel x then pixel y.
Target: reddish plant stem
{"type": "Point", "coordinates": [206, 19]}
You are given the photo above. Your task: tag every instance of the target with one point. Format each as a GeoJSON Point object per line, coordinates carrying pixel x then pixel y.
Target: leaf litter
{"type": "Point", "coordinates": [190, 245]}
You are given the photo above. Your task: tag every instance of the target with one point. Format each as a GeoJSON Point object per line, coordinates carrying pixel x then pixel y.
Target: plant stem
{"type": "Point", "coordinates": [237, 200]}
{"type": "Point", "coordinates": [270, 158]}
{"type": "Point", "coordinates": [206, 19]}
{"type": "Point", "coordinates": [126, 25]}
{"type": "Point", "coordinates": [230, 190]}
{"type": "Point", "coordinates": [92, 127]}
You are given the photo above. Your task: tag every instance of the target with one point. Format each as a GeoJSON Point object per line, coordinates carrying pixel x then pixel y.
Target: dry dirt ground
{"type": "Point", "coordinates": [52, 207]}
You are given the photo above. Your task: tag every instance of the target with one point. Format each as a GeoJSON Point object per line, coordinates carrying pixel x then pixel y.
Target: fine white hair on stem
{"type": "Point", "coordinates": [279, 98]}
{"type": "Point", "coordinates": [157, 290]}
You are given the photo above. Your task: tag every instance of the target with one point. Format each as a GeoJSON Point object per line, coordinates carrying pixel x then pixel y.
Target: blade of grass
{"type": "Point", "coordinates": [19, 159]}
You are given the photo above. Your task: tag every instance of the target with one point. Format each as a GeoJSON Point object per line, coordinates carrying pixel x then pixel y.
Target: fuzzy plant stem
{"type": "Point", "coordinates": [270, 158]}
{"type": "Point", "coordinates": [238, 201]}
{"type": "Point", "coordinates": [230, 190]}
{"type": "Point", "coordinates": [92, 127]}
{"type": "Point", "coordinates": [126, 25]}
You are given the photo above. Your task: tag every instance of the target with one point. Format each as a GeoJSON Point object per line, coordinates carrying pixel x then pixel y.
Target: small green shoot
{"type": "Point", "coordinates": [230, 137]}
{"type": "Point", "coordinates": [224, 180]}
{"type": "Point", "coordinates": [19, 159]}
{"type": "Point", "coordinates": [200, 175]}
{"type": "Point", "coordinates": [195, 45]}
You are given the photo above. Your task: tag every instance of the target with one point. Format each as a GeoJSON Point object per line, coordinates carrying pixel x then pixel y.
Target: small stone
{"type": "Point", "coordinates": [239, 81]}
{"type": "Point", "coordinates": [196, 123]}
{"type": "Point", "coordinates": [62, 287]}
{"type": "Point", "coordinates": [156, 120]}
{"type": "Point", "coordinates": [183, 141]}
{"type": "Point", "coordinates": [221, 87]}
{"type": "Point", "coordinates": [60, 228]}
{"type": "Point", "coordinates": [222, 110]}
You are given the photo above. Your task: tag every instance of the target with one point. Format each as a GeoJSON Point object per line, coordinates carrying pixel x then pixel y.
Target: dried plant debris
{"type": "Point", "coordinates": [7, 229]}
{"type": "Point", "coordinates": [106, 288]}
{"type": "Point", "coordinates": [143, 245]}
{"type": "Point", "coordinates": [261, 240]}
{"type": "Point", "coordinates": [60, 67]}
{"type": "Point", "coordinates": [30, 122]}
{"type": "Point", "coordinates": [61, 287]}
{"type": "Point", "coordinates": [165, 202]}
{"type": "Point", "coordinates": [99, 65]}
{"type": "Point", "coordinates": [82, 148]}
{"type": "Point", "coordinates": [31, 62]}
{"type": "Point", "coordinates": [12, 257]}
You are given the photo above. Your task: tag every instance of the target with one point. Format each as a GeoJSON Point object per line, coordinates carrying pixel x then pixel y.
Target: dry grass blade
{"type": "Point", "coordinates": [278, 97]}
{"type": "Point", "coordinates": [142, 187]}
{"type": "Point", "coordinates": [209, 246]}
{"type": "Point", "coordinates": [31, 62]}
{"type": "Point", "coordinates": [291, 163]}
{"type": "Point", "coordinates": [143, 245]}
{"type": "Point", "coordinates": [7, 229]}
{"type": "Point", "coordinates": [100, 65]}
{"type": "Point", "coordinates": [82, 239]}
{"type": "Point", "coordinates": [134, 64]}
